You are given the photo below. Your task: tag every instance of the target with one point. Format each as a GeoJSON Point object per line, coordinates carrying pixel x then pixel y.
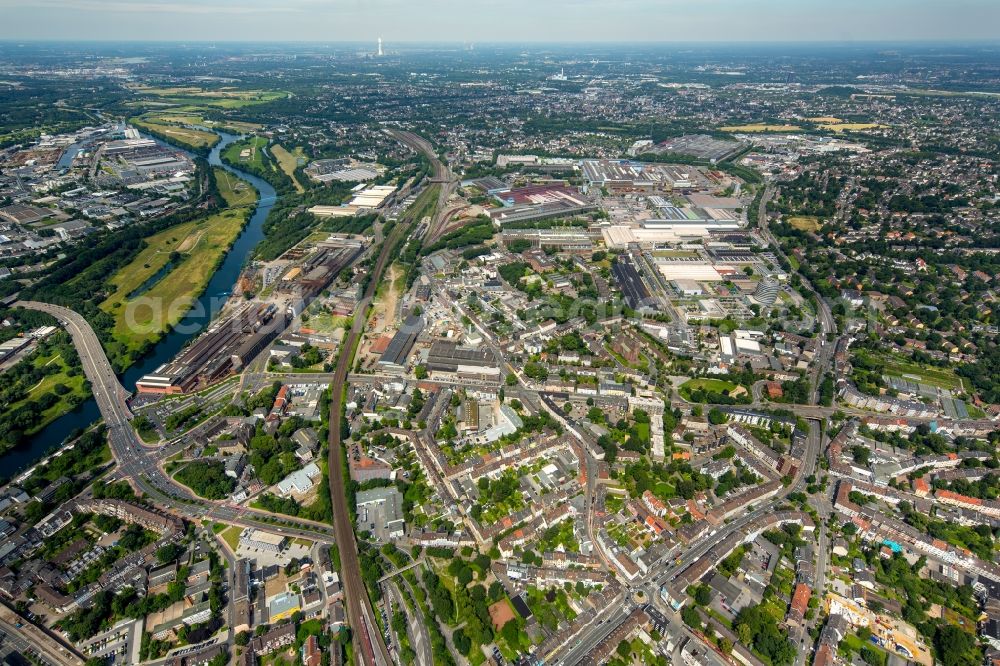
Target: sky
{"type": "Point", "coordinates": [669, 21]}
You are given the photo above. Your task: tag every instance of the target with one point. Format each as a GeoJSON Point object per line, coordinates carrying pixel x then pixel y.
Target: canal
{"type": "Point", "coordinates": [50, 438]}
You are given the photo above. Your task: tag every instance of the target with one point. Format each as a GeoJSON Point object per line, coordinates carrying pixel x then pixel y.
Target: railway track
{"type": "Point", "coordinates": [359, 607]}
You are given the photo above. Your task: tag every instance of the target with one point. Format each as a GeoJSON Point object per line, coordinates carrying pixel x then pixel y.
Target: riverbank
{"type": "Point", "coordinates": [191, 252]}
{"type": "Point", "coordinates": [205, 308]}
{"type": "Point", "coordinates": [41, 387]}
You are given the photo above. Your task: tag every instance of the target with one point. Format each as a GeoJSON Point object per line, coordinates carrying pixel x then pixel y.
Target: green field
{"type": "Point", "coordinates": [710, 385]}
{"type": "Point", "coordinates": [940, 377]}
{"type": "Point", "coordinates": [288, 161]}
{"type": "Point", "coordinates": [198, 247]}
{"type": "Point", "coordinates": [221, 98]}
{"type": "Point", "coordinates": [187, 136]}
{"type": "Point", "coordinates": [805, 223]}
{"type": "Point", "coordinates": [256, 144]}
{"type": "Point", "coordinates": [324, 322]}
{"type": "Point", "coordinates": [236, 191]}
{"type": "Point", "coordinates": [47, 385]}
{"type": "Point", "coordinates": [231, 535]}
{"type": "Point", "coordinates": [191, 116]}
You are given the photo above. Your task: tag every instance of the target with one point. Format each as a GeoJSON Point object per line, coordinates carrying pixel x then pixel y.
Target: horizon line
{"type": "Point", "coordinates": [994, 41]}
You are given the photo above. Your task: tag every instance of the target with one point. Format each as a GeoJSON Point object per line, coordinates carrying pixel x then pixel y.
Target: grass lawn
{"type": "Point", "coordinates": [710, 385]}
{"type": "Point", "coordinates": [664, 490]}
{"type": "Point", "coordinates": [324, 322]}
{"type": "Point", "coordinates": [236, 191]}
{"type": "Point", "coordinates": [941, 377]}
{"type": "Point", "coordinates": [225, 98]}
{"type": "Point", "coordinates": [145, 317]}
{"type": "Point", "coordinates": [231, 535]}
{"type": "Point", "coordinates": [147, 435]}
{"type": "Point", "coordinates": [761, 127]}
{"type": "Point", "coordinates": [256, 144]}
{"type": "Point", "coordinates": [193, 116]}
{"type": "Point", "coordinates": [184, 135]}
{"type": "Point", "coordinates": [805, 223]}
{"type": "Point", "coordinates": [288, 162]}
{"type": "Point", "coordinates": [47, 385]}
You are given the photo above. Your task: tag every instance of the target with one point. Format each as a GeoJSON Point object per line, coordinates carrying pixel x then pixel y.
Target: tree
{"type": "Point", "coordinates": [511, 633]}
{"type": "Point", "coordinates": [703, 595]}
{"type": "Point", "coordinates": [871, 656]}
{"type": "Point", "coordinates": [716, 416]}
{"type": "Point", "coordinates": [168, 553]}
{"type": "Point", "coordinates": [624, 649]}
{"type": "Point", "coordinates": [743, 631]}
{"type": "Point", "coordinates": [955, 647]}
{"type": "Point", "coordinates": [462, 642]}
{"type": "Point", "coordinates": [691, 617]}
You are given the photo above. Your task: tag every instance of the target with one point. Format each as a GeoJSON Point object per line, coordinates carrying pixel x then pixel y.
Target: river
{"type": "Point", "coordinates": [50, 438]}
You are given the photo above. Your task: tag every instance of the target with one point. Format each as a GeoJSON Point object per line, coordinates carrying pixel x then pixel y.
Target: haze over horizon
{"type": "Point", "coordinates": [515, 21]}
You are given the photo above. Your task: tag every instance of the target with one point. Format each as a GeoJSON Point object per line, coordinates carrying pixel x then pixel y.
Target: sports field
{"type": "Point", "coordinates": [146, 316]}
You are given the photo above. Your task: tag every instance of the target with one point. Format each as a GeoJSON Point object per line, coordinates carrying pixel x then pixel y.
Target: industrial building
{"type": "Point", "coordinates": [766, 292]}
{"type": "Point", "coordinates": [639, 177]}
{"type": "Point", "coordinates": [343, 169]}
{"type": "Point", "coordinates": [655, 232]}
{"type": "Point", "coordinates": [310, 277]}
{"type": "Point", "coordinates": [564, 240]}
{"type": "Point", "coordinates": [366, 198]}
{"type": "Point", "coordinates": [380, 511]}
{"type": "Point", "coordinates": [449, 358]}
{"type": "Point", "coordinates": [633, 289]}
{"type": "Point", "coordinates": [394, 356]}
{"type": "Point", "coordinates": [225, 348]}
{"type": "Point", "coordinates": [536, 202]}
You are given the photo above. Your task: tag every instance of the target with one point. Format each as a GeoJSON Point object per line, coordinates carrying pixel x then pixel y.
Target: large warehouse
{"type": "Point", "coordinates": [658, 232]}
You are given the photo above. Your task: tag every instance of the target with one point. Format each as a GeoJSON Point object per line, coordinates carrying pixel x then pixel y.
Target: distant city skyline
{"type": "Point", "coordinates": [668, 21]}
